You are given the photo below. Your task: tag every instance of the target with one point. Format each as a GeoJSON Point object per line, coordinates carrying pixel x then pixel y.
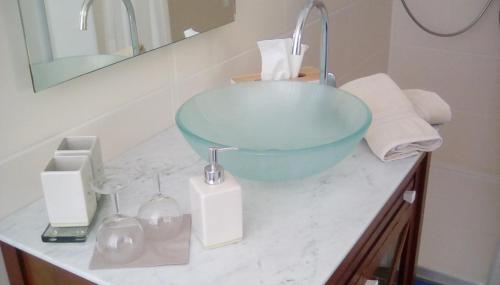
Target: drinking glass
{"type": "Point", "coordinates": [160, 216]}
{"type": "Point", "coordinates": [120, 238]}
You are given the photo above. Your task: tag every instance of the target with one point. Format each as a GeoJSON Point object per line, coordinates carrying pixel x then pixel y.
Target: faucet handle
{"type": "Point", "coordinates": [331, 80]}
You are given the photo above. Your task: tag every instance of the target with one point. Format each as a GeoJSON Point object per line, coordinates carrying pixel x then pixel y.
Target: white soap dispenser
{"type": "Point", "coordinates": [216, 207]}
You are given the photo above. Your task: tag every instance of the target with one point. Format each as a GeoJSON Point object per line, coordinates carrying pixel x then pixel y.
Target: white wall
{"type": "Point", "coordinates": [128, 102]}
{"type": "Point", "coordinates": [461, 224]}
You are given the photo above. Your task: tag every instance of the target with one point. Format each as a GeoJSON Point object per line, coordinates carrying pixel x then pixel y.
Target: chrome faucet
{"type": "Point", "coordinates": [131, 19]}
{"type": "Point", "coordinates": [325, 77]}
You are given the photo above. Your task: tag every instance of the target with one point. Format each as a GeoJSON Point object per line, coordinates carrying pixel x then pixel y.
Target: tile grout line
{"type": "Point", "coordinates": [454, 52]}
{"type": "Point", "coordinates": [492, 178]}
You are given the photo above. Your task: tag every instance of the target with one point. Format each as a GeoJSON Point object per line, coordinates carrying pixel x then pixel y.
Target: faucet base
{"type": "Point", "coordinates": [331, 80]}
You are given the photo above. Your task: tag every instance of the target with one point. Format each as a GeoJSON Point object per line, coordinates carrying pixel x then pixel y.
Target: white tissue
{"type": "Point", "coordinates": [190, 32]}
{"type": "Point", "coordinates": [278, 62]}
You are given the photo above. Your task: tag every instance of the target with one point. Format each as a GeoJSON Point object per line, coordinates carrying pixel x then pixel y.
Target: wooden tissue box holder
{"type": "Point", "coordinates": [306, 73]}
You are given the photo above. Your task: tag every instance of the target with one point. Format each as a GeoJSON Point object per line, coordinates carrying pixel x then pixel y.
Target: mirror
{"type": "Point", "coordinates": [68, 38]}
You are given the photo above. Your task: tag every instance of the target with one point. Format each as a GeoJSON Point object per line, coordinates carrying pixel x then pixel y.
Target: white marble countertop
{"type": "Point", "coordinates": [294, 233]}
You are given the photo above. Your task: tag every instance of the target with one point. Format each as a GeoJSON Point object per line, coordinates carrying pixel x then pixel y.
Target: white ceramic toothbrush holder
{"type": "Point", "coordinates": [83, 145]}
{"type": "Point", "coordinates": [66, 182]}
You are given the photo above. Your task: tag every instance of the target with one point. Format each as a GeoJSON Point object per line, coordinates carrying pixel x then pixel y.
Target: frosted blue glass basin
{"type": "Point", "coordinates": [284, 130]}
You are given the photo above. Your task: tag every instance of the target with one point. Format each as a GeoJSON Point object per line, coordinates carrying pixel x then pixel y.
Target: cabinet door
{"type": "Point", "coordinates": [387, 268]}
{"type": "Point", "coordinates": [383, 262]}
{"type": "Point", "coordinates": [387, 251]}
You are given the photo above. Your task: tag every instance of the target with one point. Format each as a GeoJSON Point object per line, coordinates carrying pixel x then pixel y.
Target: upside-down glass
{"type": "Point", "coordinates": [160, 216]}
{"type": "Point", "coordinates": [120, 238]}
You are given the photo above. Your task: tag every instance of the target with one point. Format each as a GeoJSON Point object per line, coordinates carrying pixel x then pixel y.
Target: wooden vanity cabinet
{"type": "Point", "coordinates": [26, 269]}
{"type": "Point", "coordinates": [386, 253]}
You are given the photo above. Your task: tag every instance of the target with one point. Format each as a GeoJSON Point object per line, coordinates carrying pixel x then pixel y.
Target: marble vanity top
{"type": "Point", "coordinates": [294, 232]}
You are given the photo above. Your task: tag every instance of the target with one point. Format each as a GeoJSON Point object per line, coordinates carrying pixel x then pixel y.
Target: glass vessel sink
{"type": "Point", "coordinates": [283, 129]}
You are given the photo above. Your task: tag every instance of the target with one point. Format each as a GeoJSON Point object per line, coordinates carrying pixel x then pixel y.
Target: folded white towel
{"type": "Point", "coordinates": [396, 131]}
{"type": "Point", "coordinates": [429, 106]}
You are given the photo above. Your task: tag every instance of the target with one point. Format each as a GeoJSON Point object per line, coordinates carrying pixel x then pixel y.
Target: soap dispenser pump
{"type": "Point", "coordinates": [216, 207]}
{"type": "Point", "coordinates": [214, 172]}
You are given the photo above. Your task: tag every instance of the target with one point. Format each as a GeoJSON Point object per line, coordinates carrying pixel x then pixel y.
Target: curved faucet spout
{"type": "Point", "coordinates": [84, 14]}
{"type": "Point", "coordinates": [131, 19]}
{"type": "Point", "coordinates": [325, 77]}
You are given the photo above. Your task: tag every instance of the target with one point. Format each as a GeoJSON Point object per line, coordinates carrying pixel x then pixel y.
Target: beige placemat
{"type": "Point", "coordinates": [169, 252]}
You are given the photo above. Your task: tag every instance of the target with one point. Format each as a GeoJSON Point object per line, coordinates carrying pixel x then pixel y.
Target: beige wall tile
{"type": "Point", "coordinates": [370, 22]}
{"type": "Point", "coordinates": [340, 60]}
{"type": "Point", "coordinates": [460, 228]}
{"type": "Point", "coordinates": [353, 46]}
{"type": "Point", "coordinates": [295, 6]}
{"type": "Point", "coordinates": [448, 250]}
{"type": "Point", "coordinates": [468, 82]}
{"type": "Point", "coordinates": [375, 64]}
{"type": "Point", "coordinates": [471, 141]}
{"type": "Point", "coordinates": [193, 55]}
{"type": "Point", "coordinates": [118, 131]}
{"type": "Point", "coordinates": [483, 38]}
{"type": "Point", "coordinates": [472, 200]}
{"type": "Point", "coordinates": [217, 76]}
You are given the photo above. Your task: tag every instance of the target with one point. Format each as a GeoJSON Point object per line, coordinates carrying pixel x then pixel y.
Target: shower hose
{"type": "Point", "coordinates": [464, 29]}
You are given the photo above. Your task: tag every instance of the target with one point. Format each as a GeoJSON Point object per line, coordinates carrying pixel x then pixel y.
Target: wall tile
{"type": "Point", "coordinates": [460, 239]}
{"type": "Point", "coordinates": [450, 250]}
{"type": "Point", "coordinates": [351, 43]}
{"type": "Point", "coordinates": [118, 131]}
{"type": "Point", "coordinates": [375, 64]}
{"type": "Point", "coordinates": [467, 82]}
{"type": "Point", "coordinates": [370, 22]}
{"type": "Point", "coordinates": [193, 55]}
{"type": "Point", "coordinates": [450, 15]}
{"type": "Point", "coordinates": [295, 6]}
{"type": "Point", "coordinates": [473, 200]}
{"type": "Point", "coordinates": [216, 76]}
{"type": "Point", "coordinates": [340, 59]}
{"type": "Point", "coordinates": [471, 141]}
